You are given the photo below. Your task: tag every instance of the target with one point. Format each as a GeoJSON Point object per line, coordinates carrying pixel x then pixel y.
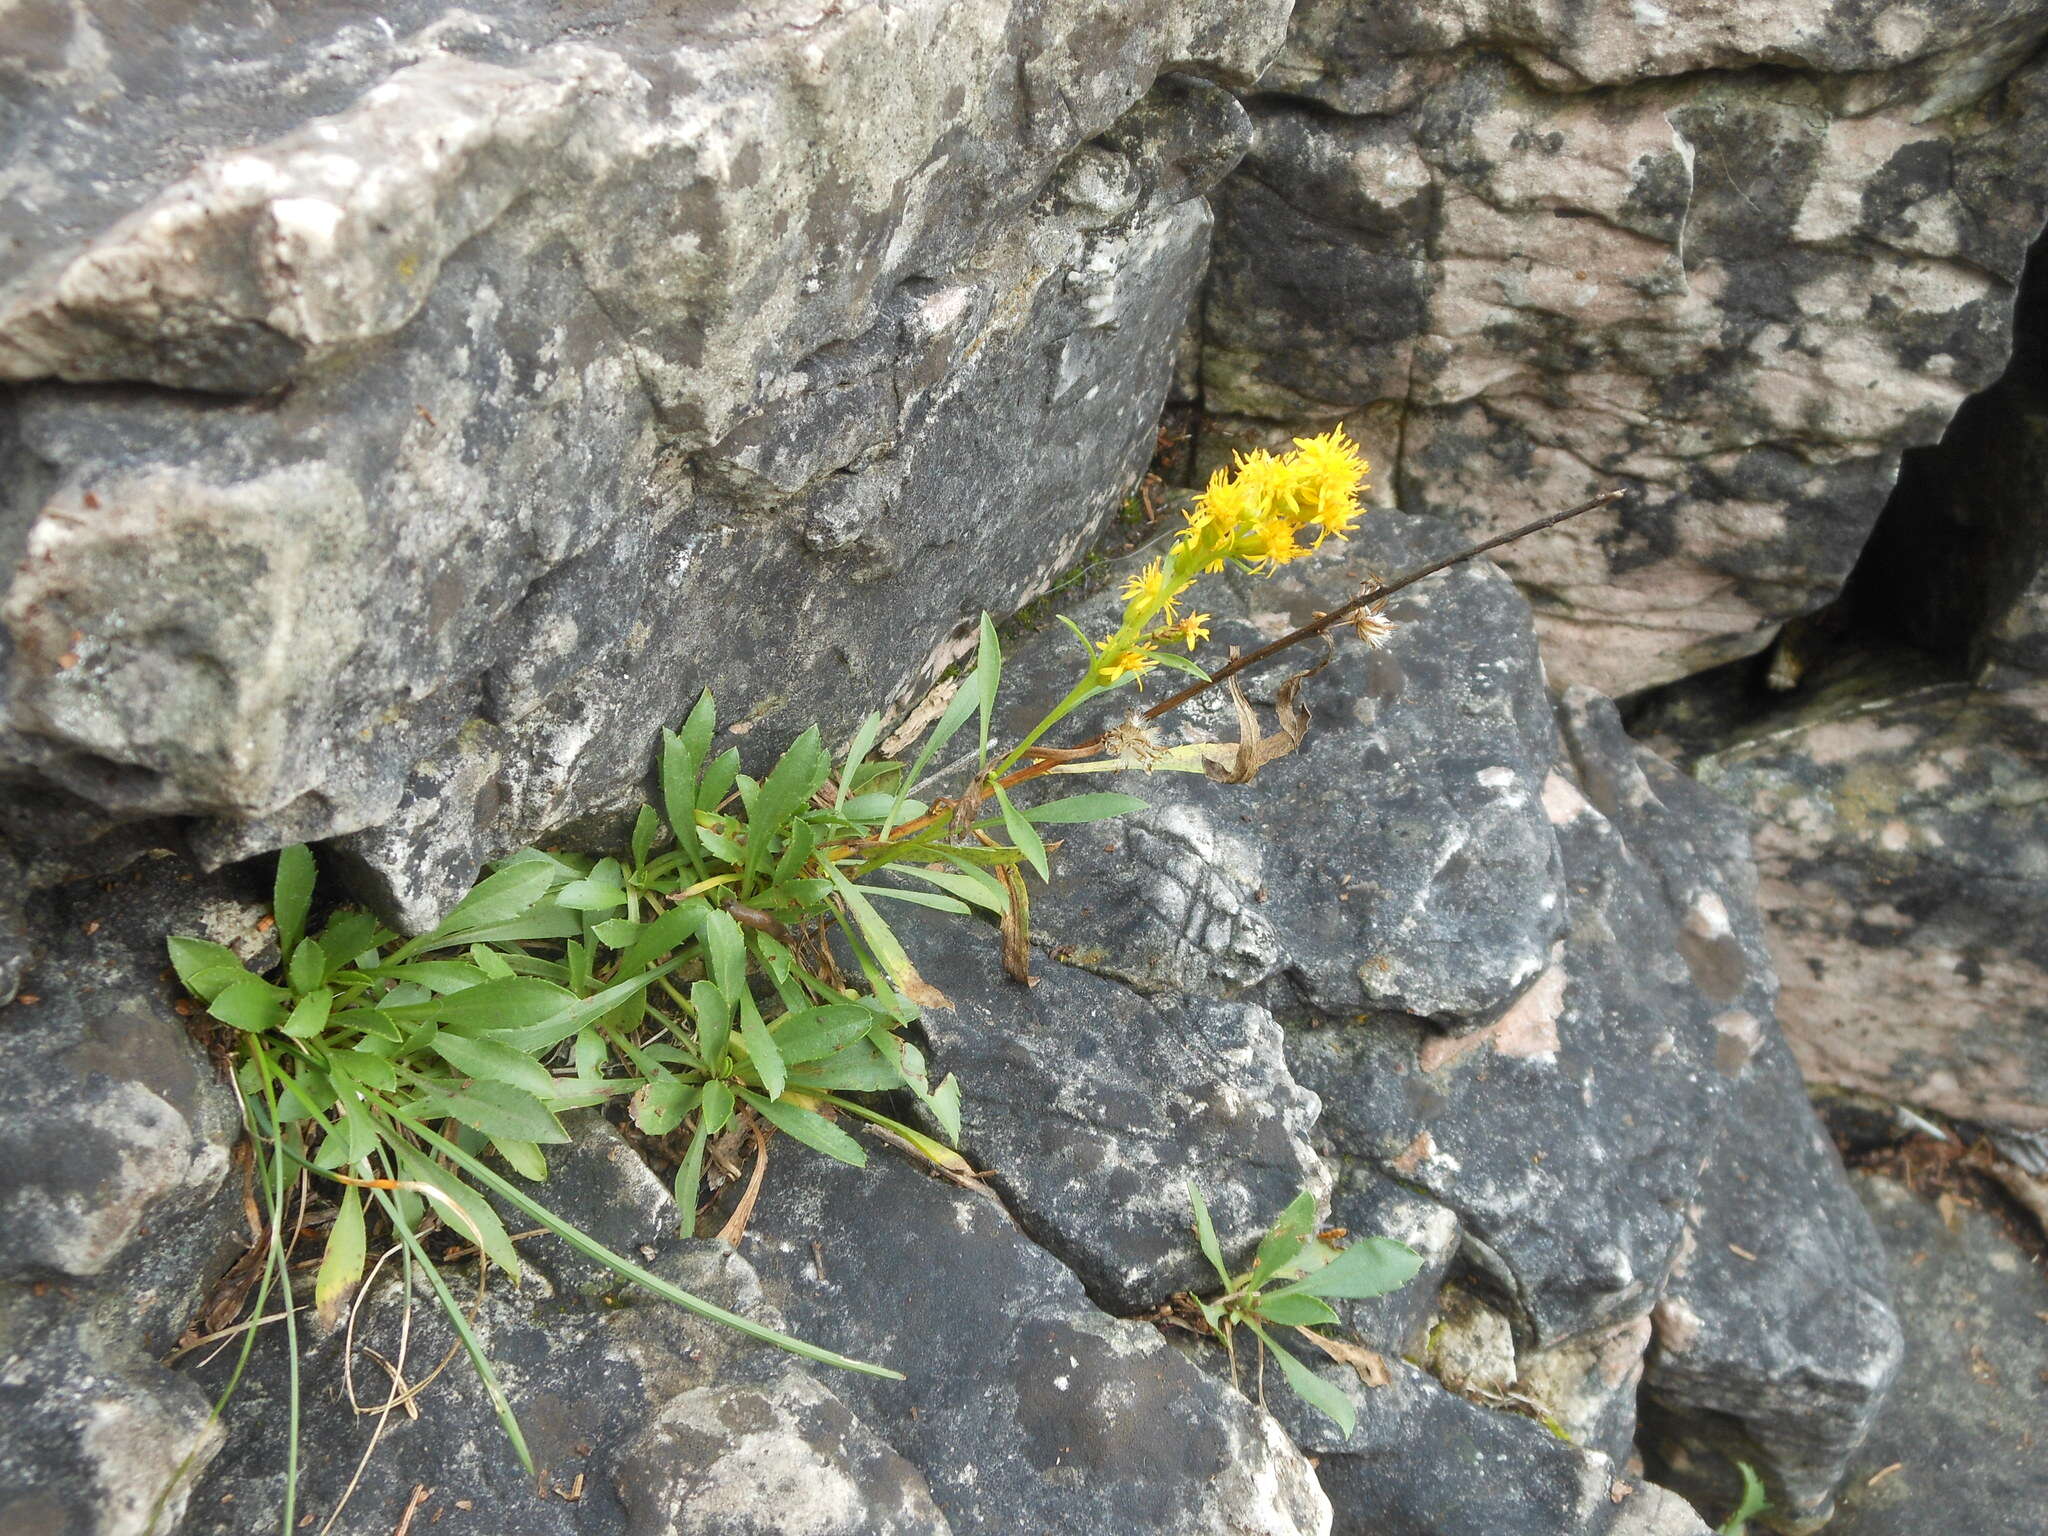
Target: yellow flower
{"type": "Point", "coordinates": [1135, 662]}
{"type": "Point", "coordinates": [1190, 631]}
{"type": "Point", "coordinates": [1148, 592]}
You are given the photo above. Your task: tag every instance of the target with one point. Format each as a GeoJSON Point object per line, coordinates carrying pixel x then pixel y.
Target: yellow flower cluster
{"type": "Point", "coordinates": [1262, 512]}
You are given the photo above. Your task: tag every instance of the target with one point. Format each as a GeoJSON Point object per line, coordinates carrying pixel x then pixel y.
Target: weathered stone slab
{"type": "Point", "coordinates": [1092, 1108]}
{"type": "Point", "coordinates": [1530, 253]}
{"type": "Point", "coordinates": [1900, 848]}
{"type": "Point", "coordinates": [552, 375]}
{"type": "Point", "coordinates": [1025, 1408]}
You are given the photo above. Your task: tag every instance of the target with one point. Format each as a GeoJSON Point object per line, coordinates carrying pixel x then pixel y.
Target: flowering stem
{"type": "Point", "coordinates": [1046, 759]}
{"type": "Point", "coordinates": [1378, 593]}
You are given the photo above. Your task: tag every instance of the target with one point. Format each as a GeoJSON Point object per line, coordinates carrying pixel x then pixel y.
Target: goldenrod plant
{"type": "Point", "coordinates": [730, 973]}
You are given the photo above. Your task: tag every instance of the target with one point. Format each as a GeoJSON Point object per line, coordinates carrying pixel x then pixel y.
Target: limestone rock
{"type": "Point", "coordinates": [93, 1434]}
{"type": "Point", "coordinates": [1402, 858]}
{"type": "Point", "coordinates": [1093, 1108]}
{"type": "Point", "coordinates": [1898, 840]}
{"type": "Point", "coordinates": [1776, 1340]}
{"type": "Point", "coordinates": [1532, 252]}
{"type": "Point", "coordinates": [1962, 1428]}
{"type": "Point", "coordinates": [469, 390]}
{"type": "Point", "coordinates": [783, 1458]}
{"type": "Point", "coordinates": [1025, 1408]}
{"type": "Point", "coordinates": [115, 1128]}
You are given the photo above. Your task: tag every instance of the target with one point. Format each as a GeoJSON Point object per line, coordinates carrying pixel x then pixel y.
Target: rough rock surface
{"type": "Point", "coordinates": [1776, 1342]}
{"type": "Point", "coordinates": [643, 1418]}
{"type": "Point", "coordinates": [1025, 1408]}
{"type": "Point", "coordinates": [399, 397]}
{"type": "Point", "coordinates": [1731, 256]}
{"type": "Point", "coordinates": [1963, 1426]}
{"type": "Point", "coordinates": [1424, 1462]}
{"type": "Point", "coordinates": [1402, 859]}
{"type": "Point", "coordinates": [1098, 1107]}
{"type": "Point", "coordinates": [1899, 842]}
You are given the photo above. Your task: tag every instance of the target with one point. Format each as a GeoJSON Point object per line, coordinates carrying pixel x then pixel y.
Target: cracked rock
{"type": "Point", "coordinates": [1092, 1108]}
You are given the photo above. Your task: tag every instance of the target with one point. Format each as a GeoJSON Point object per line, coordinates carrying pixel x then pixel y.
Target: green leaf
{"type": "Point", "coordinates": [616, 932]}
{"type": "Point", "coordinates": [667, 933]}
{"type": "Point", "coordinates": [859, 1068]}
{"type": "Point", "coordinates": [523, 1158]}
{"type": "Point", "coordinates": [726, 950]}
{"type": "Point", "coordinates": [365, 1067]}
{"type": "Point", "coordinates": [1087, 645]}
{"type": "Point", "coordinates": [435, 975]}
{"type": "Point", "coordinates": [689, 1176]}
{"type": "Point", "coordinates": [714, 1022]}
{"type": "Point", "coordinates": [1022, 833]}
{"type": "Point", "coordinates": [894, 962]}
{"type": "Point", "coordinates": [309, 1014]}
{"type": "Point", "coordinates": [812, 1034]}
{"type": "Point", "coordinates": [799, 774]}
{"type": "Point", "coordinates": [856, 753]}
{"type": "Point", "coordinates": [645, 825]}
{"type": "Point", "coordinates": [988, 676]}
{"type": "Point", "coordinates": [1370, 1267]}
{"type": "Point", "coordinates": [1180, 664]}
{"type": "Point", "coordinates": [1327, 1400]}
{"type": "Point", "coordinates": [800, 841]}
{"type": "Point", "coordinates": [347, 937]}
{"type": "Point", "coordinates": [969, 885]}
{"type": "Point", "coordinates": [1205, 1234]}
{"type": "Point", "coordinates": [1283, 1244]}
{"type": "Point", "coordinates": [1078, 808]}
{"type": "Point", "coordinates": [660, 1107]}
{"type": "Point", "coordinates": [761, 1049]}
{"type": "Point", "coordinates": [1754, 1502]}
{"type": "Point", "coordinates": [718, 780]}
{"type": "Point", "coordinates": [496, 1109]}
{"type": "Point", "coordinates": [962, 705]}
{"type": "Point", "coordinates": [504, 896]}
{"type": "Point", "coordinates": [250, 1004]}
{"type": "Point", "coordinates": [603, 889]}
{"type": "Point", "coordinates": [292, 896]}
{"type": "Point", "coordinates": [944, 1103]}
{"type": "Point", "coordinates": [1295, 1309]}
{"type": "Point", "coordinates": [464, 1210]}
{"type": "Point", "coordinates": [919, 899]}
{"type": "Point", "coordinates": [308, 967]}
{"type": "Point", "coordinates": [810, 1128]}
{"type": "Point", "coordinates": [206, 969]}
{"type": "Point", "coordinates": [494, 1006]}
{"type": "Point", "coordinates": [494, 966]}
{"type": "Point", "coordinates": [342, 1265]}
{"type": "Point", "coordinates": [535, 1038]}
{"type": "Point", "coordinates": [714, 1108]}
{"type": "Point", "coordinates": [489, 1060]}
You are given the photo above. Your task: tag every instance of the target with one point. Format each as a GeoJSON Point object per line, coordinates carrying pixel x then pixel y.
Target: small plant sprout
{"type": "Point", "coordinates": [1293, 1277]}
{"type": "Point", "coordinates": [1754, 1502]}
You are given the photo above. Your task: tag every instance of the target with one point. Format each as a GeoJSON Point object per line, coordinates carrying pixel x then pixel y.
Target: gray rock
{"type": "Point", "coordinates": [1400, 859]}
{"type": "Point", "coordinates": [526, 349]}
{"type": "Point", "coordinates": [1963, 1424]}
{"type": "Point", "coordinates": [1025, 1408]}
{"type": "Point", "coordinates": [115, 1128]}
{"type": "Point", "coordinates": [1532, 251]}
{"type": "Point", "coordinates": [1568, 1134]}
{"type": "Point", "coordinates": [1899, 845]}
{"type": "Point", "coordinates": [1092, 1108]}
{"type": "Point", "coordinates": [782, 1458]}
{"type": "Point", "coordinates": [1776, 1340]}
{"type": "Point", "coordinates": [95, 1438]}
{"type": "Point", "coordinates": [1422, 1461]}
